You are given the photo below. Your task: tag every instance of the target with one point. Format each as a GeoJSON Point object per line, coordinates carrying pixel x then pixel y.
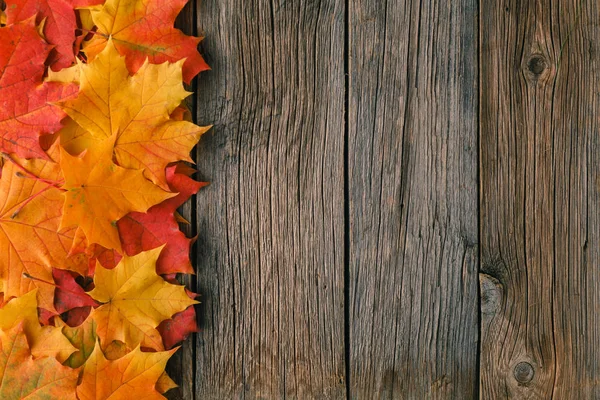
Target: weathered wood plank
{"type": "Point", "coordinates": [413, 102]}
{"type": "Point", "coordinates": [271, 224]}
{"type": "Point", "coordinates": [539, 185]}
{"type": "Point", "coordinates": [181, 366]}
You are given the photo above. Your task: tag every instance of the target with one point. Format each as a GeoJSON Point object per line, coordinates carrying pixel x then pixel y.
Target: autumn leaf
{"type": "Point", "coordinates": [91, 152]}
{"type": "Point", "coordinates": [25, 109]}
{"type": "Point", "coordinates": [136, 109]}
{"type": "Point", "coordinates": [69, 294]}
{"type": "Point", "coordinates": [178, 328]}
{"type": "Point", "coordinates": [98, 193]}
{"type": "Point", "coordinates": [135, 301]}
{"type": "Point", "coordinates": [132, 376]}
{"type": "Point", "coordinates": [30, 239]}
{"type": "Point", "coordinates": [165, 383]}
{"type": "Point", "coordinates": [83, 338]}
{"type": "Point", "coordinates": [59, 24]}
{"type": "Point", "coordinates": [144, 29]}
{"type": "Point", "coordinates": [76, 316]}
{"type": "Point", "coordinates": [22, 376]}
{"type": "Point", "coordinates": [45, 341]}
{"type": "Point", "coordinates": [76, 139]}
{"type": "Point", "coordinates": [145, 231]}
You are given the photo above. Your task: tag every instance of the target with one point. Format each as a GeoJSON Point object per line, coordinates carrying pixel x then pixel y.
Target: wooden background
{"type": "Point", "coordinates": [404, 200]}
{"type": "Point", "coordinates": [403, 204]}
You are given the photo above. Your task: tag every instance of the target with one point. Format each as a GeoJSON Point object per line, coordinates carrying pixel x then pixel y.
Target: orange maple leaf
{"type": "Point", "coordinates": [98, 193]}
{"type": "Point", "coordinates": [134, 375]}
{"type": "Point", "coordinates": [144, 29]}
{"type": "Point", "coordinates": [23, 377]}
{"type": "Point", "coordinates": [30, 240]}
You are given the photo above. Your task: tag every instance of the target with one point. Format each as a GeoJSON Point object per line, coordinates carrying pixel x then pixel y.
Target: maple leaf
{"type": "Point", "coordinates": [145, 231]}
{"type": "Point", "coordinates": [165, 383]}
{"type": "Point", "coordinates": [44, 340]}
{"type": "Point", "coordinates": [75, 139]}
{"type": "Point", "coordinates": [22, 376]}
{"type": "Point", "coordinates": [144, 29]}
{"type": "Point", "coordinates": [69, 294]}
{"type": "Point", "coordinates": [82, 337]}
{"type": "Point", "coordinates": [25, 109]}
{"type": "Point", "coordinates": [178, 328]}
{"type": "Point", "coordinates": [30, 239]}
{"type": "Point", "coordinates": [59, 23]}
{"type": "Point", "coordinates": [136, 109]}
{"type": "Point", "coordinates": [98, 193]}
{"type": "Point", "coordinates": [132, 376]}
{"type": "Point", "coordinates": [136, 300]}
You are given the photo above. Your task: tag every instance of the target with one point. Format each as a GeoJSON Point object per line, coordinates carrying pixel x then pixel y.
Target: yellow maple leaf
{"type": "Point", "coordinates": [137, 109]}
{"type": "Point", "coordinates": [30, 240]}
{"type": "Point", "coordinates": [83, 337]}
{"type": "Point", "coordinates": [98, 193]}
{"type": "Point", "coordinates": [131, 376]}
{"type": "Point", "coordinates": [136, 300]}
{"type": "Point", "coordinates": [44, 340]}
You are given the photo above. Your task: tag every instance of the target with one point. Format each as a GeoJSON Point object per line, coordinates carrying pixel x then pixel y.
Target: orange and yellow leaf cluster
{"type": "Point", "coordinates": [94, 150]}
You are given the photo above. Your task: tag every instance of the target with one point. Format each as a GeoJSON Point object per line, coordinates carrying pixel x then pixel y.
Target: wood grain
{"type": "Point", "coordinates": [413, 99]}
{"type": "Point", "coordinates": [539, 183]}
{"type": "Point", "coordinates": [271, 224]}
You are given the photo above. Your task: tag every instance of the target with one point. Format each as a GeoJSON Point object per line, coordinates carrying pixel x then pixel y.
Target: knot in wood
{"type": "Point", "coordinates": [523, 372]}
{"type": "Point", "coordinates": [537, 65]}
{"type": "Point", "coordinates": [491, 294]}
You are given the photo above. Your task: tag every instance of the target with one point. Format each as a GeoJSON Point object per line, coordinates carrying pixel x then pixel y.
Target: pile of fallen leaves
{"type": "Point", "coordinates": [95, 142]}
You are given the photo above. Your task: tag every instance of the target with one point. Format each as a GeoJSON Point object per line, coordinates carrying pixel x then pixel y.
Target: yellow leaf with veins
{"type": "Point", "coordinates": [136, 301]}
{"type": "Point", "coordinates": [44, 340]}
{"type": "Point", "coordinates": [137, 110]}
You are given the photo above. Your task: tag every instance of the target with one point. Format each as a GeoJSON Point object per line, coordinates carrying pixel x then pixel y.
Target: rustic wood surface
{"type": "Point", "coordinates": [539, 206]}
{"type": "Point", "coordinates": [368, 159]}
{"type": "Point", "coordinates": [271, 224]}
{"type": "Point", "coordinates": [413, 199]}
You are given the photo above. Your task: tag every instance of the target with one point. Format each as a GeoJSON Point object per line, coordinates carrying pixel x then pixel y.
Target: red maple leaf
{"type": "Point", "coordinates": [59, 24]}
{"type": "Point", "coordinates": [68, 294]}
{"type": "Point", "coordinates": [144, 231]}
{"type": "Point", "coordinates": [182, 324]}
{"type": "Point", "coordinates": [25, 109]}
{"type": "Point", "coordinates": [178, 328]}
